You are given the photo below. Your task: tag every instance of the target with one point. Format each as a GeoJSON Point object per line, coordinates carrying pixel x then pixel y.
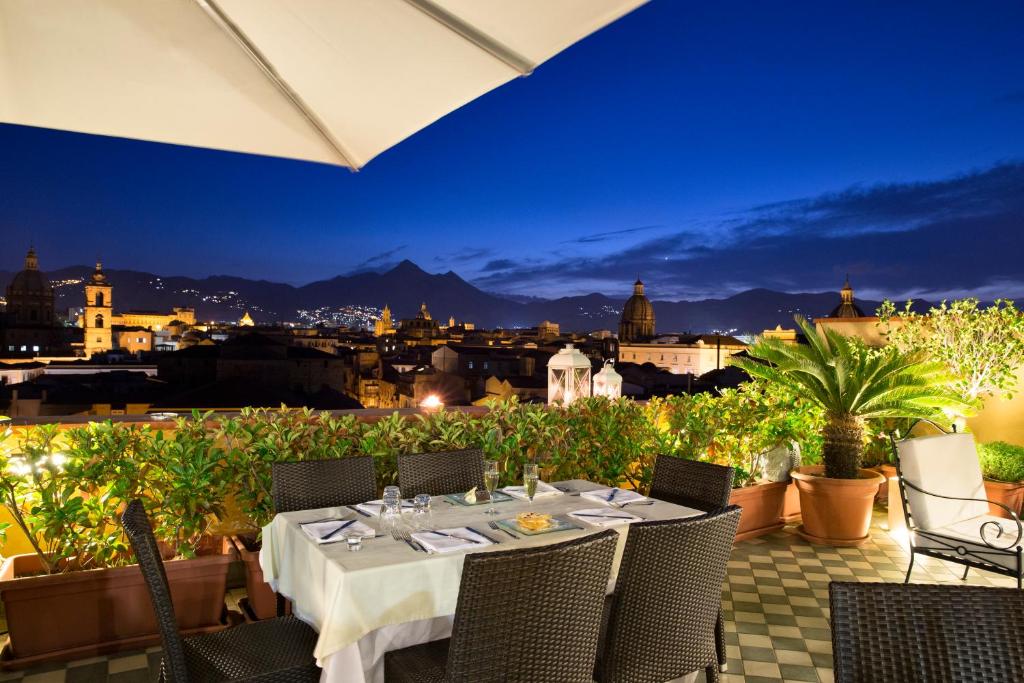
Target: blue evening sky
{"type": "Point", "coordinates": [709, 147]}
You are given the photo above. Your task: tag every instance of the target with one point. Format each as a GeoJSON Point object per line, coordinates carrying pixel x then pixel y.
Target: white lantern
{"type": "Point", "coordinates": [608, 383]}
{"type": "Point", "coordinates": [568, 376]}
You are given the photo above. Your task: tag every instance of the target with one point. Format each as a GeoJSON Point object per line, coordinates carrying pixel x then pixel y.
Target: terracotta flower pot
{"type": "Point", "coordinates": [261, 599]}
{"type": "Point", "coordinates": [791, 507]}
{"type": "Point", "coordinates": [888, 472]}
{"type": "Point", "coordinates": [1009, 494]}
{"type": "Point", "coordinates": [101, 611]}
{"type": "Point", "coordinates": [835, 511]}
{"type": "Point", "coordinates": [762, 508]}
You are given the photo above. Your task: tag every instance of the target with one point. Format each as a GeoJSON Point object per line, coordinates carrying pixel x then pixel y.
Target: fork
{"type": "Point", "coordinates": [494, 525]}
{"type": "Point", "coordinates": [405, 536]}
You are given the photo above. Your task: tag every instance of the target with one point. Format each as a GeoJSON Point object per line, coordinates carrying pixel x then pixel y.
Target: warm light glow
{"type": "Point", "coordinates": [431, 402]}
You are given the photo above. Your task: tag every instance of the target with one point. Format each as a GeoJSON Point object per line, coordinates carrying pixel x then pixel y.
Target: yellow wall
{"type": "Point", "coordinates": [1001, 419]}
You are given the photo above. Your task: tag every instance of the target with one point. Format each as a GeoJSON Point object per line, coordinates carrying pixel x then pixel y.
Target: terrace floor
{"type": "Point", "coordinates": [775, 601]}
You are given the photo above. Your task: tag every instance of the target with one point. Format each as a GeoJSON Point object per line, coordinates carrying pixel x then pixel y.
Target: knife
{"type": "Point", "coordinates": [338, 530]}
{"type": "Point", "coordinates": [483, 535]}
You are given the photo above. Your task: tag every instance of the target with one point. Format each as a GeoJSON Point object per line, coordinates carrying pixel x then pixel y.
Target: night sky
{"type": "Point", "coordinates": [707, 147]}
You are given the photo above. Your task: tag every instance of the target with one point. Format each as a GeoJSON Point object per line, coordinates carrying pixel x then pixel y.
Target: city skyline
{"type": "Point", "coordinates": [709, 150]}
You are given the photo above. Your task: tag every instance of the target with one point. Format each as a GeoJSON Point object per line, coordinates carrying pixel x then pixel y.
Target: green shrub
{"type": "Point", "coordinates": [1002, 461]}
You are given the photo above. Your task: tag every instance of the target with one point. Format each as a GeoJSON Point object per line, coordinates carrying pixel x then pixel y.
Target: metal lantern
{"type": "Point", "coordinates": [608, 383]}
{"type": "Point", "coordinates": [568, 376]}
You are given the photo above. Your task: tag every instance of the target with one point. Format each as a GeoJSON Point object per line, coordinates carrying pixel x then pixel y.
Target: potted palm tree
{"type": "Point", "coordinates": [852, 383]}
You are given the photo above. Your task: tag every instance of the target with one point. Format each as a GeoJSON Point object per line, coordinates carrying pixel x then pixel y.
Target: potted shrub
{"type": "Point", "coordinates": [65, 496]}
{"type": "Point", "coordinates": [1003, 467]}
{"type": "Point", "coordinates": [851, 383]}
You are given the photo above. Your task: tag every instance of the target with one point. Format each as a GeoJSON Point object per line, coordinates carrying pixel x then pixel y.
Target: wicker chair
{"type": "Point", "coordinates": [312, 484]}
{"type": "Point", "coordinates": [699, 485]}
{"type": "Point", "coordinates": [439, 473]}
{"type": "Point", "coordinates": [532, 614]}
{"type": "Point", "coordinates": [911, 632]}
{"type": "Point", "coordinates": [668, 597]}
{"type": "Point", "coordinates": [276, 650]}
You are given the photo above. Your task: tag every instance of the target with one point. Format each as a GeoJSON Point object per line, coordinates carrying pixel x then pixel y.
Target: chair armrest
{"type": "Point", "coordinates": [981, 529]}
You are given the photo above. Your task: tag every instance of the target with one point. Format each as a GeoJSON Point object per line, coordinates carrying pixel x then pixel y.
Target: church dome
{"type": "Point", "coordinates": [637, 316]}
{"type": "Point", "coordinates": [846, 308]}
{"type": "Point", "coordinates": [31, 280]}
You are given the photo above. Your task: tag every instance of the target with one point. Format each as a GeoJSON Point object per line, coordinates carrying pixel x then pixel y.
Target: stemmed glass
{"type": "Point", "coordinates": [490, 483]}
{"type": "Point", "coordinates": [530, 475]}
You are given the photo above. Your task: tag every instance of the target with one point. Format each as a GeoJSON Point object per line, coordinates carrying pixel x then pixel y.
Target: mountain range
{"type": "Point", "coordinates": [406, 286]}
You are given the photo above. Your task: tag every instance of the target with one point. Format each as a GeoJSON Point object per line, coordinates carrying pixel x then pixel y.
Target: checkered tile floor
{"type": "Point", "coordinates": [775, 601]}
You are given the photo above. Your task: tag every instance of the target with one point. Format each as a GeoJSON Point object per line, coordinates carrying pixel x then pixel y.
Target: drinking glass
{"type": "Point", "coordinates": [530, 475]}
{"type": "Point", "coordinates": [491, 482]}
{"type": "Point", "coordinates": [354, 540]}
{"type": "Point", "coordinates": [391, 508]}
{"type": "Point", "coordinates": [421, 515]}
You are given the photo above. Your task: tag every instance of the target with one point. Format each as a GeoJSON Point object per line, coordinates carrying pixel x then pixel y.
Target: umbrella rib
{"type": "Point", "coordinates": [231, 28]}
{"type": "Point", "coordinates": [495, 48]}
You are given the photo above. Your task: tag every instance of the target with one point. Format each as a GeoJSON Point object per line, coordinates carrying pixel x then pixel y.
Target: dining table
{"type": "Point", "coordinates": [390, 594]}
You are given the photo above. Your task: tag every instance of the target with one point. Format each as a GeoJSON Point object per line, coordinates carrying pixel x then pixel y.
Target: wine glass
{"type": "Point", "coordinates": [490, 483]}
{"type": "Point", "coordinates": [530, 475]}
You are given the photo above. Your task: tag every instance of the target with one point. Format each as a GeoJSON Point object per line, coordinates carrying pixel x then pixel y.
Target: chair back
{"type": "Point", "coordinates": [532, 614]}
{"type": "Point", "coordinates": [691, 483]}
{"type": "Point", "coordinates": [439, 473]}
{"type": "Point", "coordinates": [946, 465]}
{"type": "Point", "coordinates": [668, 595]}
{"type": "Point", "coordinates": [140, 534]}
{"type": "Point", "coordinates": [311, 484]}
{"type": "Point", "coordinates": [918, 632]}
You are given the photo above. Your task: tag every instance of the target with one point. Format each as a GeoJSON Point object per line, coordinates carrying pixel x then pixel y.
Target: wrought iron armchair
{"type": "Point", "coordinates": [439, 473]}
{"type": "Point", "coordinates": [947, 513]}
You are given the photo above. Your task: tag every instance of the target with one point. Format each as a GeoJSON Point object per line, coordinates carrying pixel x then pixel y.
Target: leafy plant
{"type": "Point", "coordinates": [982, 348]}
{"type": "Point", "coordinates": [1002, 461]}
{"type": "Point", "coordinates": [852, 383]}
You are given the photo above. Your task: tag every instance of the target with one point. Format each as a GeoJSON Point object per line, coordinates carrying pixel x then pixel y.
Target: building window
{"type": "Point", "coordinates": [99, 320]}
{"type": "Point", "coordinates": [485, 365]}
{"type": "Point", "coordinates": [469, 365]}
{"type": "Point", "coordinates": [36, 349]}
{"type": "Point", "coordinates": [99, 298]}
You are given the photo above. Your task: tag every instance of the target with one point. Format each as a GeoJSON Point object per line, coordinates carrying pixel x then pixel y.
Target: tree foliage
{"type": "Point", "coordinates": [982, 348]}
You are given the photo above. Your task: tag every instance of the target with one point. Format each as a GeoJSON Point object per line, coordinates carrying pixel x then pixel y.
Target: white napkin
{"type": "Point", "coordinates": [455, 540]}
{"type": "Point", "coordinates": [373, 507]}
{"type": "Point", "coordinates": [618, 496]}
{"type": "Point", "coordinates": [544, 490]}
{"type": "Point", "coordinates": [604, 517]}
{"type": "Point", "coordinates": [319, 531]}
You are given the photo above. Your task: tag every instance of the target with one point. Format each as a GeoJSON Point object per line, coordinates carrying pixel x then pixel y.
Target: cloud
{"type": "Point", "coordinates": [464, 255]}
{"type": "Point", "coordinates": [499, 264]}
{"type": "Point", "coordinates": [613, 234]}
{"type": "Point", "coordinates": [384, 258]}
{"type": "Point", "coordinates": [956, 235]}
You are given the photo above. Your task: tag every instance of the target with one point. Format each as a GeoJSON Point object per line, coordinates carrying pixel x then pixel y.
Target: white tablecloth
{"type": "Point", "coordinates": [388, 596]}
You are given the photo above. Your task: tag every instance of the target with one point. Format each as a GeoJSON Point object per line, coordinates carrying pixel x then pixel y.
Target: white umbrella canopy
{"type": "Point", "coordinates": [331, 81]}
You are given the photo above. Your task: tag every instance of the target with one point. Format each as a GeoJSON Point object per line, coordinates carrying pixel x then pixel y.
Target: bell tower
{"type": "Point", "coordinates": [98, 314]}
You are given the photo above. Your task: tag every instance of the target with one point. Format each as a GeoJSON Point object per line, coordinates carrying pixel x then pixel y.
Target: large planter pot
{"type": "Point", "coordinates": [791, 507]}
{"type": "Point", "coordinates": [835, 511]}
{"type": "Point", "coordinates": [762, 508]}
{"type": "Point", "coordinates": [261, 600]}
{"type": "Point", "coordinates": [1010, 495]}
{"type": "Point", "coordinates": [101, 611]}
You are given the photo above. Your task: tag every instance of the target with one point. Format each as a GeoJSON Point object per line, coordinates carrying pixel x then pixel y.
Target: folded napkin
{"type": "Point", "coordinates": [450, 540]}
{"type": "Point", "coordinates": [323, 532]}
{"type": "Point", "coordinates": [604, 517]}
{"type": "Point", "coordinates": [617, 496]}
{"type": "Point", "coordinates": [544, 490]}
{"type": "Point", "coordinates": [373, 507]}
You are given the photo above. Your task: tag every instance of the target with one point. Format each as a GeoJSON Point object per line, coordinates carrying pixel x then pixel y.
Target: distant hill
{"type": "Point", "coordinates": [406, 286]}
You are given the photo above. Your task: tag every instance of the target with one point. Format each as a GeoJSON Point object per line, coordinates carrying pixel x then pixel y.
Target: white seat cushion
{"type": "Point", "coordinates": [967, 533]}
{"type": "Point", "coordinates": [947, 465]}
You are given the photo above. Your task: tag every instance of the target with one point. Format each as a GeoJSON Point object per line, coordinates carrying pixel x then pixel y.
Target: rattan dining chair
{"type": "Point", "coordinates": [903, 633]}
{"type": "Point", "coordinates": [668, 597]}
{"type": "Point", "coordinates": [311, 484]}
{"type": "Point", "coordinates": [699, 485]}
{"type": "Point", "coordinates": [439, 473]}
{"type": "Point", "coordinates": [275, 650]}
{"type": "Point", "coordinates": [532, 614]}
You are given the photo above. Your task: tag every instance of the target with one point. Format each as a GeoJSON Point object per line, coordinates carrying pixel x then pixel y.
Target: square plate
{"type": "Point", "coordinates": [496, 497]}
{"type": "Point", "coordinates": [557, 524]}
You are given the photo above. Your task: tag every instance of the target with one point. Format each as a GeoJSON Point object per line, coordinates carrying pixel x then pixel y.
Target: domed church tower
{"type": "Point", "coordinates": [846, 308]}
{"type": "Point", "coordinates": [30, 296]}
{"type": "Point", "coordinates": [637, 322]}
{"type": "Point", "coordinates": [99, 312]}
